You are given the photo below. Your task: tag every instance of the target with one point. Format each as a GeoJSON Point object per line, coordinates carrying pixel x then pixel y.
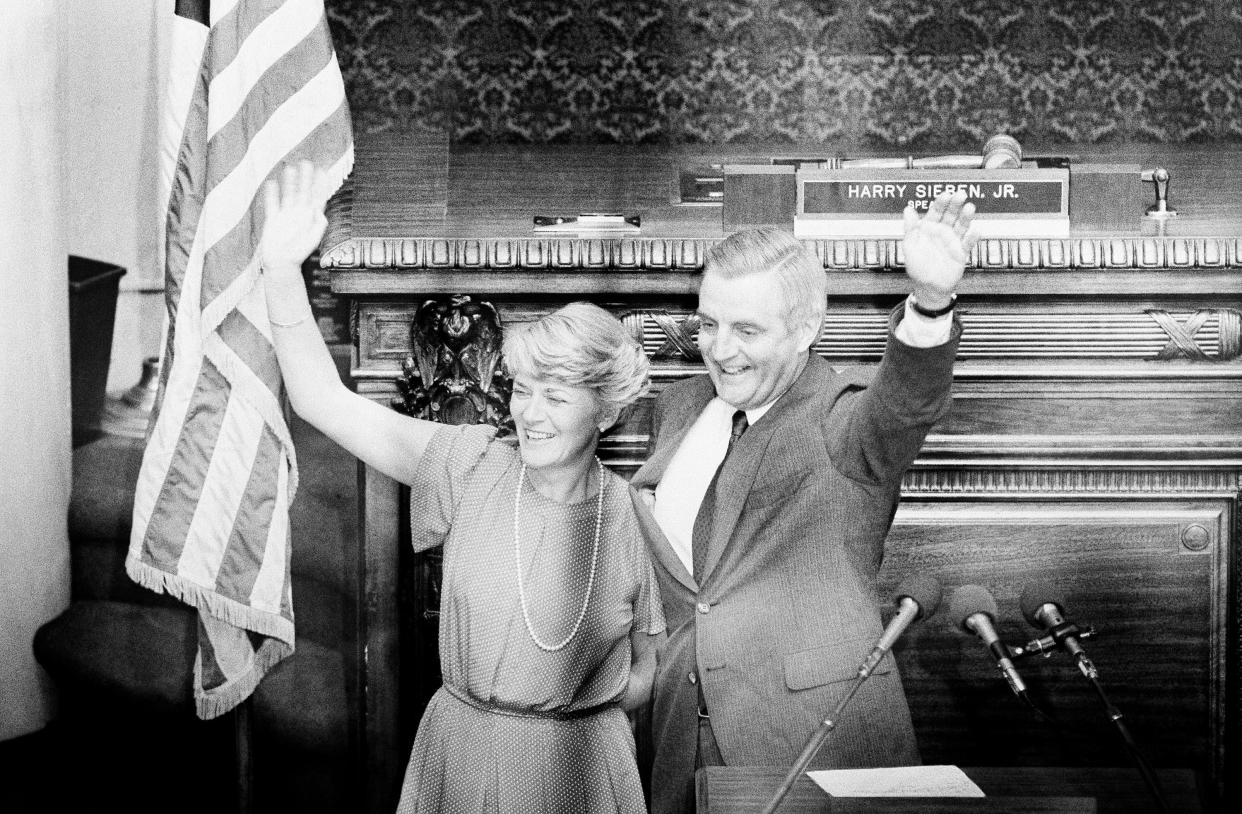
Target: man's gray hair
{"type": "Point", "coordinates": [795, 269]}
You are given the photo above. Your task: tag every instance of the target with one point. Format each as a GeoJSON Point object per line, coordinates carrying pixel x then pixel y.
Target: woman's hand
{"type": "Point", "coordinates": [937, 246]}
{"type": "Point", "coordinates": [293, 221]}
{"type": "Point", "coordinates": [644, 648]}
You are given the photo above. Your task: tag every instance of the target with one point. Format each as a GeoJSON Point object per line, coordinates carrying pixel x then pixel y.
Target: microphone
{"type": "Point", "coordinates": [917, 598]}
{"type": "Point", "coordinates": [1044, 645]}
{"type": "Point", "coordinates": [1044, 607]}
{"type": "Point", "coordinates": [974, 609]}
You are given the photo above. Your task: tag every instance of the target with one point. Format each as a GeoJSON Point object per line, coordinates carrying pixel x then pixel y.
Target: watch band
{"type": "Point", "coordinates": [932, 313]}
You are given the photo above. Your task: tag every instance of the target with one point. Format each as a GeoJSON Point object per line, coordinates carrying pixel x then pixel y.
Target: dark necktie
{"type": "Point", "coordinates": [701, 536]}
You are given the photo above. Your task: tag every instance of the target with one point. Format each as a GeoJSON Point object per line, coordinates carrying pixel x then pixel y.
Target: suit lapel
{"type": "Point", "coordinates": [659, 545]}
{"type": "Point", "coordinates": [746, 460]}
{"type": "Point", "coordinates": [734, 485]}
{"type": "Point", "coordinates": [673, 430]}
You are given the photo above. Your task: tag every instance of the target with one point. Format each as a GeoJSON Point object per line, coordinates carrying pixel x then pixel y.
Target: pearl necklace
{"type": "Point", "coordinates": [517, 553]}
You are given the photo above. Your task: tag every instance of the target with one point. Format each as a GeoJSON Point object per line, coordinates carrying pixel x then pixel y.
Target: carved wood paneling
{"type": "Point", "coordinates": [1151, 334]}
{"type": "Point", "coordinates": [1095, 434]}
{"type": "Point", "coordinates": [1001, 482]}
{"type": "Point", "coordinates": [862, 254]}
{"type": "Point", "coordinates": [1124, 567]}
{"type": "Point", "coordinates": [1121, 333]}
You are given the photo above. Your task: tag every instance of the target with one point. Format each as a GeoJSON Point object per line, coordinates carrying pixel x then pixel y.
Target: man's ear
{"type": "Point", "coordinates": [810, 330]}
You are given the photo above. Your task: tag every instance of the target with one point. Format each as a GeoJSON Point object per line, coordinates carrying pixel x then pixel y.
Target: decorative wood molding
{"type": "Point", "coordinates": [1179, 339]}
{"type": "Point", "coordinates": [1182, 334]}
{"type": "Point", "coordinates": [1078, 482]}
{"type": "Point", "coordinates": [1140, 253]}
{"type": "Point", "coordinates": [1204, 335]}
{"type": "Point", "coordinates": [453, 373]}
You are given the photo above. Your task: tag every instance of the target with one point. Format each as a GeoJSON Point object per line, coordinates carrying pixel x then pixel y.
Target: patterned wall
{"type": "Point", "coordinates": [885, 73]}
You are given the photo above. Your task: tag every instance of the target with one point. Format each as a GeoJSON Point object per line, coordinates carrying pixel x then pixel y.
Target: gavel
{"type": "Point", "coordinates": [1001, 151]}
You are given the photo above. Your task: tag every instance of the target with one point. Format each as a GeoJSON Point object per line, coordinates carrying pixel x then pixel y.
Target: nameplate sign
{"type": "Point", "coordinates": [1031, 202]}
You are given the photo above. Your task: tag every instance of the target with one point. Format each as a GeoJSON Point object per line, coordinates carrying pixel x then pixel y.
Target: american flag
{"type": "Point", "coordinates": [253, 84]}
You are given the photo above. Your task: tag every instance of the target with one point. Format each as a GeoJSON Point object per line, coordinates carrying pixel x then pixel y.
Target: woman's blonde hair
{"type": "Point", "coordinates": [581, 345]}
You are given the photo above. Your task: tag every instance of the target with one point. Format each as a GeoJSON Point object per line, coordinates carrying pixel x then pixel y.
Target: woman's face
{"type": "Point", "coordinates": [557, 424]}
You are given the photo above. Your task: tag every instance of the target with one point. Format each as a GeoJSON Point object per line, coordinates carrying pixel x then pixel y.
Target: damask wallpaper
{"type": "Point", "coordinates": [922, 74]}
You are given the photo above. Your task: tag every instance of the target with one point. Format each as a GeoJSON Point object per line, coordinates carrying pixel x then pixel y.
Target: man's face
{"type": "Point", "coordinates": [752, 352]}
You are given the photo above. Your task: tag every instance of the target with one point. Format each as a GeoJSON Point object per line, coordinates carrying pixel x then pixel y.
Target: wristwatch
{"type": "Point", "coordinates": [932, 313]}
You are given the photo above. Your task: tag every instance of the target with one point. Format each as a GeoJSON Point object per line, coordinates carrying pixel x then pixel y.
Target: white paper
{"type": "Point", "coordinates": [901, 781]}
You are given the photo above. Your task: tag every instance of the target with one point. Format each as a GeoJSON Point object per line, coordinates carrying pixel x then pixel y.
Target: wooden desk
{"type": "Point", "coordinates": [1095, 438]}
{"type": "Point", "coordinates": [745, 790]}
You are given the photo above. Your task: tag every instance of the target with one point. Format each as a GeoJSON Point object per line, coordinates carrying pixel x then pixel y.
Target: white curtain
{"type": "Point", "coordinates": [34, 358]}
{"type": "Point", "coordinates": [113, 78]}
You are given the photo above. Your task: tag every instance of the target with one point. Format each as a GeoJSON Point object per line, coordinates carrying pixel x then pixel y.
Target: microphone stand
{"type": "Point", "coordinates": [816, 741]}
{"type": "Point", "coordinates": [919, 602]}
{"type": "Point", "coordinates": [1067, 635]}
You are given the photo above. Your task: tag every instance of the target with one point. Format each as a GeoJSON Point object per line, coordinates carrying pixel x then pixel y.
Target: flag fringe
{"type": "Point", "coordinates": [208, 601]}
{"type": "Point", "coordinates": [243, 632]}
{"type": "Point", "coordinates": [278, 645]}
{"type": "Point", "coordinates": [217, 701]}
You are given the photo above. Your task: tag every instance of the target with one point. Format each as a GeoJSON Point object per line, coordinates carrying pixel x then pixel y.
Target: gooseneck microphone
{"type": "Point", "coordinates": [917, 598]}
{"type": "Point", "coordinates": [974, 611]}
{"type": "Point", "coordinates": [1044, 607]}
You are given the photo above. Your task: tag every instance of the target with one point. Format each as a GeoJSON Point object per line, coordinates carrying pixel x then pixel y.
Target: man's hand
{"type": "Point", "coordinates": [937, 246]}
{"type": "Point", "coordinates": [293, 217]}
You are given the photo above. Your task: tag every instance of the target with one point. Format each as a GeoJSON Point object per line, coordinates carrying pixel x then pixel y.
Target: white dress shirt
{"type": "Point", "coordinates": [680, 492]}
{"type": "Point", "coordinates": [684, 483]}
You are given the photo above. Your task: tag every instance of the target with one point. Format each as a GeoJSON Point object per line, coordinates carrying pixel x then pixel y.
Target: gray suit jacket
{"type": "Point", "coordinates": [788, 608]}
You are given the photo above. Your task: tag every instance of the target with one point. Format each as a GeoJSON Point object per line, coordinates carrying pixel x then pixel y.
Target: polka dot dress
{"type": "Point", "coordinates": [517, 728]}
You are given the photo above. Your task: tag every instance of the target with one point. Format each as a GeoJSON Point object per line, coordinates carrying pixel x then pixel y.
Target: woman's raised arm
{"type": "Point", "coordinates": [293, 226]}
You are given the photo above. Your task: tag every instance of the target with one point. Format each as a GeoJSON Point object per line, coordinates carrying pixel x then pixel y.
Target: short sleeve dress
{"type": "Point", "coordinates": [514, 727]}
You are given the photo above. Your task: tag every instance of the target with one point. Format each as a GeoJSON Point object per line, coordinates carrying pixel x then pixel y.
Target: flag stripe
{"type": "Point", "coordinates": [262, 399]}
{"type": "Point", "coordinates": [225, 482]}
{"type": "Point", "coordinates": [252, 111]}
{"type": "Point", "coordinates": [210, 522]}
{"type": "Point", "coordinates": [254, 308]}
{"type": "Point", "coordinates": [245, 551]}
{"type": "Point", "coordinates": [221, 9]}
{"type": "Point", "coordinates": [231, 23]}
{"type": "Point", "coordinates": [183, 482]}
{"type": "Point", "coordinates": [178, 394]}
{"type": "Point", "coordinates": [271, 581]}
{"type": "Point", "coordinates": [189, 45]}
{"type": "Point", "coordinates": [290, 124]}
{"type": "Point", "coordinates": [184, 152]}
{"type": "Point", "coordinates": [253, 351]}
{"type": "Point", "coordinates": [209, 665]}
{"type": "Point", "coordinates": [276, 38]}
